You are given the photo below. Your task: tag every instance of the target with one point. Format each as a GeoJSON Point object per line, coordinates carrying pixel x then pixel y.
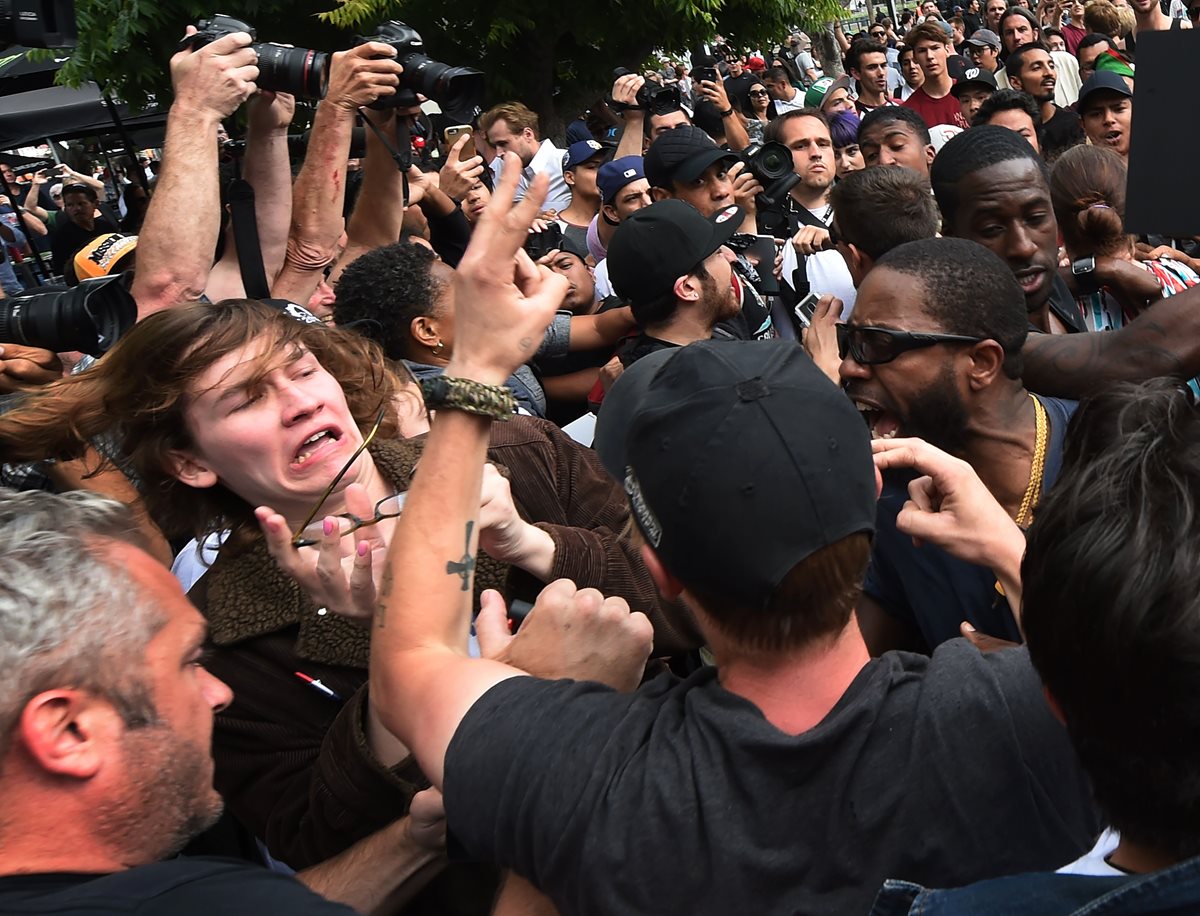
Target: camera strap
{"type": "Point", "coordinates": [402, 157]}
{"type": "Point", "coordinates": [245, 240]}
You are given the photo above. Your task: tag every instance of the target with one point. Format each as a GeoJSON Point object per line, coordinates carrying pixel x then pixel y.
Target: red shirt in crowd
{"type": "Point", "coordinates": [945, 110]}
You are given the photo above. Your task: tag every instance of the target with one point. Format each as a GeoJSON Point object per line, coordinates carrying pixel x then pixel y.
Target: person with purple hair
{"type": "Point", "coordinates": [847, 157]}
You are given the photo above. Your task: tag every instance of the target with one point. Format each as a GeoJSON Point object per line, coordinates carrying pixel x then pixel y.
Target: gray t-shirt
{"type": "Point", "coordinates": [682, 798]}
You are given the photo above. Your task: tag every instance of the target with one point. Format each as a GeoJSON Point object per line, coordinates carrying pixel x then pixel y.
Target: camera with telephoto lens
{"type": "Point", "coordinates": [771, 164]}
{"type": "Point", "coordinates": [90, 317]}
{"type": "Point", "coordinates": [299, 71]}
{"type": "Point", "coordinates": [38, 23]}
{"type": "Point", "coordinates": [653, 98]}
{"type": "Point", "coordinates": [456, 89]}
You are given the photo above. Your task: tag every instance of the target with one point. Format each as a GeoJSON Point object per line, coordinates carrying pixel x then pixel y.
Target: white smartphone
{"type": "Point", "coordinates": [805, 308]}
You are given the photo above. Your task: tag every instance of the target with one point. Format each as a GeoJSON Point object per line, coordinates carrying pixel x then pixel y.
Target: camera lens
{"type": "Point", "coordinates": [88, 318]}
{"type": "Point", "coordinates": [302, 72]}
{"type": "Point", "coordinates": [453, 88]}
{"type": "Point", "coordinates": [773, 162]}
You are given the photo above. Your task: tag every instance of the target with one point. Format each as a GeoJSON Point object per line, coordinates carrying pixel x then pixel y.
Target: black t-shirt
{"type": "Point", "coordinates": [69, 237]}
{"type": "Point", "coordinates": [927, 588]}
{"type": "Point", "coordinates": [177, 887]}
{"type": "Point", "coordinates": [682, 798]}
{"type": "Point", "coordinates": [738, 87]}
{"type": "Point", "coordinates": [1060, 133]}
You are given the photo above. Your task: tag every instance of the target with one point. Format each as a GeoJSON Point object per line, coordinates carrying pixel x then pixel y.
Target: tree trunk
{"type": "Point", "coordinates": [831, 54]}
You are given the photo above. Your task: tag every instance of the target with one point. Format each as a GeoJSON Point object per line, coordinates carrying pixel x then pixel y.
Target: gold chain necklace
{"type": "Point", "coordinates": [1037, 468]}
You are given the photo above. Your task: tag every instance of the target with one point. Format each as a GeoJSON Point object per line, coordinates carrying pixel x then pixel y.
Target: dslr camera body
{"type": "Point", "coordinates": [771, 164]}
{"type": "Point", "coordinates": [300, 71]}
{"type": "Point", "coordinates": [654, 99]}
{"type": "Point", "coordinates": [455, 89]}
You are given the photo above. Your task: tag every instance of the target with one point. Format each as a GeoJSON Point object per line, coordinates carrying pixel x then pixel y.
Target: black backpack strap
{"type": "Point", "coordinates": [245, 239]}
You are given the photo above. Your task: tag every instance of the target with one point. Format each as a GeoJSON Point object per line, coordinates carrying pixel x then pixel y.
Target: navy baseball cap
{"type": "Point", "coordinates": [614, 175]}
{"type": "Point", "coordinates": [740, 459]}
{"type": "Point", "coordinates": [1102, 81]}
{"type": "Point", "coordinates": [581, 152]}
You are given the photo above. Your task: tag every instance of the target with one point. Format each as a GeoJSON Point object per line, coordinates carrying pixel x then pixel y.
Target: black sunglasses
{"type": "Point", "coordinates": [872, 346]}
{"type": "Point", "coordinates": [759, 92]}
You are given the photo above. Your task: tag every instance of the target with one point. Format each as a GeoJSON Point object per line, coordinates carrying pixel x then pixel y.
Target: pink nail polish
{"type": "Point", "coordinates": [327, 526]}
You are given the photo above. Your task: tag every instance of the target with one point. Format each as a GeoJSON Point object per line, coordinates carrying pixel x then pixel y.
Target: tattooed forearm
{"type": "Point", "coordinates": [464, 566]}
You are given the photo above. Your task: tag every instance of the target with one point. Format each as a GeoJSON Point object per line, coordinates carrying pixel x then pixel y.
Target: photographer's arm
{"type": "Point", "coordinates": [379, 210]}
{"type": "Point", "coordinates": [267, 169]}
{"type": "Point", "coordinates": [183, 219]}
{"type": "Point", "coordinates": [625, 91]}
{"type": "Point", "coordinates": [32, 207]}
{"type": "Point", "coordinates": [356, 78]}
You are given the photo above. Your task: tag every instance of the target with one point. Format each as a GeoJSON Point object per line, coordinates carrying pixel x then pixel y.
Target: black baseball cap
{"type": "Point", "coordinates": [957, 65]}
{"type": "Point", "coordinates": [661, 243]}
{"type": "Point", "coordinates": [740, 459]}
{"type": "Point", "coordinates": [974, 76]}
{"type": "Point", "coordinates": [682, 154]}
{"type": "Point", "coordinates": [1102, 81]}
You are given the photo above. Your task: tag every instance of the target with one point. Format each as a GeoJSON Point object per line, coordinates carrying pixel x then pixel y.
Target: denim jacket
{"type": "Point", "coordinates": [1172, 890]}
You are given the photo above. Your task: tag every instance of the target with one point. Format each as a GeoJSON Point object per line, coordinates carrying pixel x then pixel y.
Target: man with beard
{"type": "Point", "coordinates": [674, 268]}
{"type": "Point", "coordinates": [685, 164]}
{"type": "Point", "coordinates": [1019, 27]}
{"type": "Point", "coordinates": [1032, 70]}
{"type": "Point", "coordinates": [105, 732]}
{"type": "Point", "coordinates": [933, 350]}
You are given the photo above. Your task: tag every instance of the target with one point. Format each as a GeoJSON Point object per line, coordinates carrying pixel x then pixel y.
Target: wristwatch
{"type": "Point", "coordinates": [1084, 271]}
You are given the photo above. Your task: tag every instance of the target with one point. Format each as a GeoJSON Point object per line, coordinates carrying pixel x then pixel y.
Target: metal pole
{"type": "Point", "coordinates": [127, 141]}
{"type": "Point", "coordinates": [53, 151]}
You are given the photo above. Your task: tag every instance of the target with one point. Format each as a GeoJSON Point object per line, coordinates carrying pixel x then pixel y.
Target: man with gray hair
{"type": "Point", "coordinates": [106, 715]}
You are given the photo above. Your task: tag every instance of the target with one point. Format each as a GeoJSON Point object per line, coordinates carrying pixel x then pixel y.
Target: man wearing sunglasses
{"type": "Point", "coordinates": [933, 350]}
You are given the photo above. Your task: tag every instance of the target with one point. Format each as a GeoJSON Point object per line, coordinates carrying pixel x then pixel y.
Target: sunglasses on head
{"type": "Point", "coordinates": [870, 346]}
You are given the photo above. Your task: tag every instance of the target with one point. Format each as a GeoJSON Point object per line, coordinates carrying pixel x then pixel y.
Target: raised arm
{"type": "Point", "coordinates": [421, 678]}
{"type": "Point", "coordinates": [1163, 341]}
{"type": "Point", "coordinates": [183, 220]}
{"type": "Point", "coordinates": [268, 171]}
{"type": "Point", "coordinates": [32, 208]}
{"type": "Point", "coordinates": [379, 209]}
{"type": "Point", "coordinates": [625, 90]}
{"type": "Point", "coordinates": [356, 78]}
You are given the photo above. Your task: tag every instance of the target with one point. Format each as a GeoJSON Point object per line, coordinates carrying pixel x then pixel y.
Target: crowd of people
{"type": "Point", "coordinates": [775, 495]}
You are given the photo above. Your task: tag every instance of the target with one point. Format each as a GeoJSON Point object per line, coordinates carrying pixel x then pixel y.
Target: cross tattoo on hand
{"type": "Point", "coordinates": [466, 565]}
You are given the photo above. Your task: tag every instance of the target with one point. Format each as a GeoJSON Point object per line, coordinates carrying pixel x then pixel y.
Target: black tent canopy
{"type": "Point", "coordinates": [60, 113]}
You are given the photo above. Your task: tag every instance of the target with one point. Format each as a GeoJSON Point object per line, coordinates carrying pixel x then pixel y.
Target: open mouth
{"type": "Point", "coordinates": [316, 444]}
{"type": "Point", "coordinates": [881, 423]}
{"type": "Point", "coordinates": [1031, 279]}
{"type": "Point", "coordinates": [1112, 138]}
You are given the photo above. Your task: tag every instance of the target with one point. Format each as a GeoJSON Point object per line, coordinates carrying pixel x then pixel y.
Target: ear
{"type": "Point", "coordinates": [668, 586]}
{"type": "Point", "coordinates": [930, 153]}
{"type": "Point", "coordinates": [67, 732]}
{"type": "Point", "coordinates": [658, 194]}
{"type": "Point", "coordinates": [190, 469]}
{"type": "Point", "coordinates": [687, 288]}
{"type": "Point", "coordinates": [858, 262]}
{"type": "Point", "coordinates": [569, 177]}
{"type": "Point", "coordinates": [609, 212]}
{"type": "Point", "coordinates": [424, 330]}
{"type": "Point", "coordinates": [987, 364]}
